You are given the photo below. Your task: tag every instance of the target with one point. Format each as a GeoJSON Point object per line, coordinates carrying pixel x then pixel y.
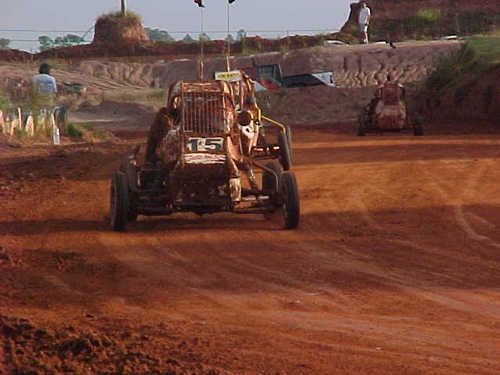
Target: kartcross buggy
{"type": "Point", "coordinates": [214, 140]}
{"type": "Point", "coordinates": [387, 112]}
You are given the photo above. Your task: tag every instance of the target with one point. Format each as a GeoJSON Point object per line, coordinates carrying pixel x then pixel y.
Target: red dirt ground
{"type": "Point", "coordinates": [393, 270]}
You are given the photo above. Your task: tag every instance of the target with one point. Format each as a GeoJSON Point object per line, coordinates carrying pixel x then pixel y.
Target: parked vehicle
{"type": "Point", "coordinates": [269, 76]}
{"type": "Point", "coordinates": [310, 79]}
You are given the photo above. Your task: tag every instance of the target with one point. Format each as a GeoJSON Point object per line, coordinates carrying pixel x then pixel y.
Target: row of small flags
{"type": "Point", "coordinates": [200, 3]}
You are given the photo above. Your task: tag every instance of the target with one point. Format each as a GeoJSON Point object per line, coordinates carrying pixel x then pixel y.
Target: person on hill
{"type": "Point", "coordinates": [364, 21]}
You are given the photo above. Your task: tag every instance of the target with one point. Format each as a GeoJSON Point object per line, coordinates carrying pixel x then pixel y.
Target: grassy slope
{"type": "Point", "coordinates": [466, 84]}
{"type": "Point", "coordinates": [431, 23]}
{"type": "Point", "coordinates": [487, 47]}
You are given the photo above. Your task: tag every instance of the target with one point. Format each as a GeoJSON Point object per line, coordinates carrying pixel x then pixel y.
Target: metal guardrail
{"type": "Point", "coordinates": [178, 35]}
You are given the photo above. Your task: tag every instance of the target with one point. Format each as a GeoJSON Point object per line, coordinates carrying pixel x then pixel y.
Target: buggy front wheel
{"type": "Point", "coordinates": [119, 201]}
{"type": "Point", "coordinates": [290, 208]}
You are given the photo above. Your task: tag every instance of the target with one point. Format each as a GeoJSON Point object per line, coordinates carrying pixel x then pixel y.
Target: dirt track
{"type": "Point", "coordinates": [395, 268]}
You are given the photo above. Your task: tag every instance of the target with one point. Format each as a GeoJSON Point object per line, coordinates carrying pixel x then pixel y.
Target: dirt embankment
{"type": "Point", "coordinates": [353, 66]}
{"type": "Point", "coordinates": [356, 69]}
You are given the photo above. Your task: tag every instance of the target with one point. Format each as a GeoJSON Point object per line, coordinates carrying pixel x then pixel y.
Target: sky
{"type": "Point", "coordinates": [178, 17]}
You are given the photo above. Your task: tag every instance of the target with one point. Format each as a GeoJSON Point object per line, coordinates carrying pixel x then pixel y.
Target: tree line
{"type": "Point", "coordinates": [47, 42]}
{"type": "Point", "coordinates": [164, 36]}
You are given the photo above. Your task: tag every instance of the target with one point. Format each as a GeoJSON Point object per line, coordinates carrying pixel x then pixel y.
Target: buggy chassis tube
{"type": "Point", "coordinates": [269, 170]}
{"type": "Point", "coordinates": [284, 130]}
{"type": "Point", "coordinates": [275, 123]}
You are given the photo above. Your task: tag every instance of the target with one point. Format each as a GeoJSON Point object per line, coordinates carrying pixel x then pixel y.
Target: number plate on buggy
{"type": "Point", "coordinates": [197, 144]}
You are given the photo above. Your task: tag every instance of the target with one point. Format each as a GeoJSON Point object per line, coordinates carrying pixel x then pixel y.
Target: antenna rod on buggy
{"type": "Point", "coordinates": [201, 67]}
{"type": "Point", "coordinates": [228, 41]}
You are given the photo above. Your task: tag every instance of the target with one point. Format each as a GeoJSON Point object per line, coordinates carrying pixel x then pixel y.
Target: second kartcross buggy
{"type": "Point", "coordinates": [387, 112]}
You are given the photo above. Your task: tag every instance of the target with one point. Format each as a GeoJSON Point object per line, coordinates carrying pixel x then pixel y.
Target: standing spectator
{"type": "Point", "coordinates": [44, 88]}
{"type": "Point", "coordinates": [364, 21]}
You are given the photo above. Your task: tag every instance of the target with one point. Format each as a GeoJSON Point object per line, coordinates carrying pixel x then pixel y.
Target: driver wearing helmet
{"type": "Point", "coordinates": [391, 88]}
{"type": "Point", "coordinates": [163, 123]}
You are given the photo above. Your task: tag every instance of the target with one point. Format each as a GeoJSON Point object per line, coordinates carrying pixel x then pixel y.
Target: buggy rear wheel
{"type": "Point", "coordinates": [290, 208]}
{"type": "Point", "coordinates": [119, 201]}
{"type": "Point", "coordinates": [361, 129]}
{"type": "Point", "coordinates": [415, 121]}
{"type": "Point", "coordinates": [418, 129]}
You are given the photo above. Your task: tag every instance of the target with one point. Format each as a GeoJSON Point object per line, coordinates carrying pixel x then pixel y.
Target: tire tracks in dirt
{"type": "Point", "coordinates": [470, 188]}
{"type": "Point", "coordinates": [371, 278]}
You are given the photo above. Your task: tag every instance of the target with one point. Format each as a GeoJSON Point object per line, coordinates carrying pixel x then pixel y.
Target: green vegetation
{"type": "Point", "coordinates": [188, 39]}
{"type": "Point", "coordinates": [464, 66]}
{"type": "Point", "coordinates": [74, 131]}
{"type": "Point", "coordinates": [452, 68]}
{"type": "Point", "coordinates": [89, 132]}
{"type": "Point", "coordinates": [4, 43]}
{"type": "Point", "coordinates": [467, 78]}
{"type": "Point", "coordinates": [20, 133]}
{"type": "Point", "coordinates": [86, 126]}
{"type": "Point", "coordinates": [4, 101]}
{"type": "Point", "coordinates": [241, 35]}
{"type": "Point", "coordinates": [85, 131]}
{"type": "Point", "coordinates": [204, 37]}
{"type": "Point", "coordinates": [64, 41]}
{"type": "Point", "coordinates": [429, 15]}
{"type": "Point", "coordinates": [248, 51]}
{"type": "Point", "coordinates": [159, 35]}
{"type": "Point", "coordinates": [149, 97]}
{"type": "Point", "coordinates": [487, 47]}
{"type": "Point", "coordinates": [470, 22]}
{"type": "Point", "coordinates": [433, 23]}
